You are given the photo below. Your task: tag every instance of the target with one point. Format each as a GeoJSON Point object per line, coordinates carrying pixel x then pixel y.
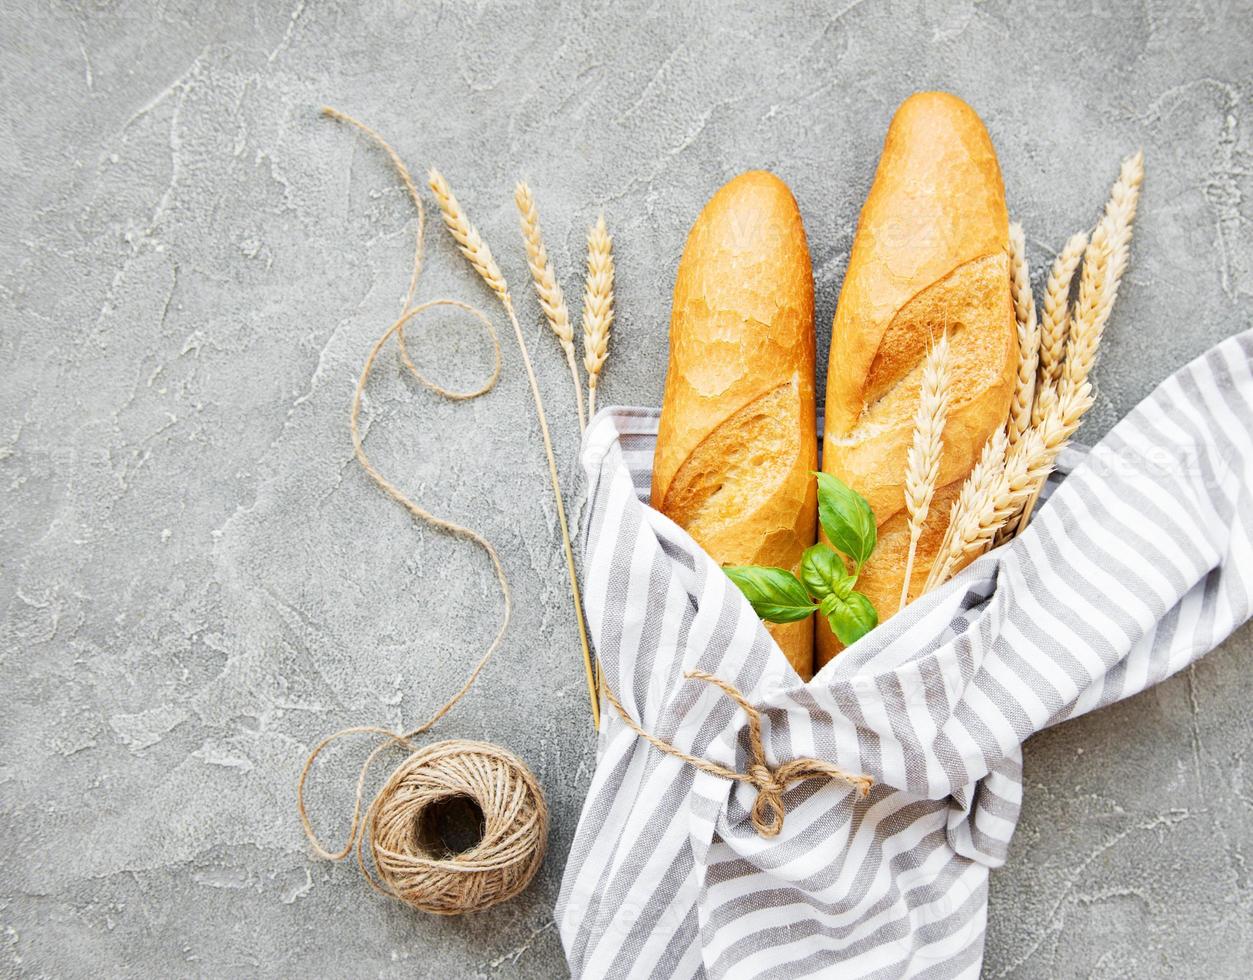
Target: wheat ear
{"type": "Point", "coordinates": [1026, 386]}
{"type": "Point", "coordinates": [598, 310]}
{"type": "Point", "coordinates": [479, 255]}
{"type": "Point", "coordinates": [1104, 262]}
{"type": "Point", "coordinates": [1054, 316]}
{"type": "Point", "coordinates": [922, 463]}
{"type": "Point", "coordinates": [981, 482]}
{"type": "Point", "coordinates": [551, 299]}
{"type": "Point", "coordinates": [976, 520]}
{"type": "Point", "coordinates": [974, 527]}
{"type": "Point", "coordinates": [1028, 337]}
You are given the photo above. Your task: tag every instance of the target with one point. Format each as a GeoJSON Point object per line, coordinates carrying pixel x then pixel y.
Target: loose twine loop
{"type": "Point", "coordinates": [768, 812]}
{"type": "Point", "coordinates": [514, 828]}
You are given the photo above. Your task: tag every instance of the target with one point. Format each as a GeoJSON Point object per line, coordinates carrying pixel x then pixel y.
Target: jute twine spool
{"type": "Point", "coordinates": [397, 829]}
{"type": "Point", "coordinates": [514, 828]}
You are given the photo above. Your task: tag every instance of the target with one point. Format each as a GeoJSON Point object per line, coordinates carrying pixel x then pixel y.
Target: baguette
{"type": "Point", "coordinates": [737, 441]}
{"type": "Point", "coordinates": [930, 256]}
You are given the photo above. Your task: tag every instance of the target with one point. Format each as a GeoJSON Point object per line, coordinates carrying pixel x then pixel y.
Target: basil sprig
{"type": "Point", "coordinates": [825, 584]}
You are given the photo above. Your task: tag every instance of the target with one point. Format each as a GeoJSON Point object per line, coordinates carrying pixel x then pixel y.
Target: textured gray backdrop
{"type": "Point", "coordinates": [197, 581]}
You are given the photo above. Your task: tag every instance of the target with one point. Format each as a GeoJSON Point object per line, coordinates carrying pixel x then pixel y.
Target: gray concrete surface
{"type": "Point", "coordinates": [197, 582]}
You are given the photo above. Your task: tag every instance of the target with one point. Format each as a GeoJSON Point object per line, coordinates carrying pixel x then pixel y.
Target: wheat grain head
{"type": "Point", "coordinates": [981, 482]}
{"type": "Point", "coordinates": [1054, 318]}
{"type": "Point", "coordinates": [1104, 262]}
{"type": "Point", "coordinates": [551, 299]}
{"type": "Point", "coordinates": [598, 310]}
{"type": "Point", "coordinates": [1028, 336]}
{"type": "Point", "coordinates": [922, 462]}
{"type": "Point", "coordinates": [467, 237]}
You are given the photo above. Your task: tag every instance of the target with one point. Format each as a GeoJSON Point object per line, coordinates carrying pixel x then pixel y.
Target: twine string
{"type": "Point", "coordinates": [768, 812]}
{"type": "Point", "coordinates": [515, 818]}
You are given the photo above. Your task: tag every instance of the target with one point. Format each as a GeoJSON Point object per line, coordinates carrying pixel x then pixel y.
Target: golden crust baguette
{"type": "Point", "coordinates": [737, 441]}
{"type": "Point", "coordinates": [930, 254]}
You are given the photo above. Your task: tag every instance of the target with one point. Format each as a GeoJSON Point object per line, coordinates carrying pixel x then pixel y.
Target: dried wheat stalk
{"type": "Point", "coordinates": [1028, 337]}
{"type": "Point", "coordinates": [1054, 316]}
{"type": "Point", "coordinates": [1121, 210]}
{"type": "Point", "coordinates": [981, 482]}
{"type": "Point", "coordinates": [467, 237]}
{"type": "Point", "coordinates": [1026, 386]}
{"type": "Point", "coordinates": [922, 463]}
{"type": "Point", "coordinates": [1104, 262]}
{"type": "Point", "coordinates": [479, 255]}
{"type": "Point", "coordinates": [598, 310]}
{"type": "Point", "coordinates": [551, 299]}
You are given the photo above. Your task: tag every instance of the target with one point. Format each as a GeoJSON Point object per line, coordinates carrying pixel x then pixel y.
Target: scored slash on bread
{"type": "Point", "coordinates": [737, 440]}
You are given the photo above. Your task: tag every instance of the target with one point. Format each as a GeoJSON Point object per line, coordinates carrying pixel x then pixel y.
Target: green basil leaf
{"type": "Point", "coordinates": [777, 596]}
{"type": "Point", "coordinates": [823, 571]}
{"type": "Point", "coordinates": [846, 518]}
{"type": "Point", "coordinates": [851, 617]}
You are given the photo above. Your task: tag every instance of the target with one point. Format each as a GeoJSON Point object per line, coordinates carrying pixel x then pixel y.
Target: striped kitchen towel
{"type": "Point", "coordinates": [1140, 563]}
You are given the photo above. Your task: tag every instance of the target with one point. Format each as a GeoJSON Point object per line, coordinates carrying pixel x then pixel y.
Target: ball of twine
{"type": "Point", "coordinates": [499, 866]}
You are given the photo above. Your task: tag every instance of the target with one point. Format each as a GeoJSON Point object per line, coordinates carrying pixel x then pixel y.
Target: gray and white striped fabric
{"type": "Point", "coordinates": [1139, 564]}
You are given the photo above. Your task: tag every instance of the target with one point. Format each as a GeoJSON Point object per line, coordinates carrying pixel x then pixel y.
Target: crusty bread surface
{"type": "Point", "coordinates": [930, 255]}
{"type": "Point", "coordinates": [737, 440]}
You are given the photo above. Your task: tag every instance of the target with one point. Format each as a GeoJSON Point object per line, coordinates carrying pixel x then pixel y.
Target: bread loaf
{"type": "Point", "coordinates": [737, 441]}
{"type": "Point", "coordinates": [930, 255]}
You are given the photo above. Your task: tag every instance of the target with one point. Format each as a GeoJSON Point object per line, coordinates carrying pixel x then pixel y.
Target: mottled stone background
{"type": "Point", "coordinates": [197, 582]}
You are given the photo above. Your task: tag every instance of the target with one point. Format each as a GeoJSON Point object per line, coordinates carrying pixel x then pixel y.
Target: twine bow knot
{"type": "Point", "coordinates": [767, 814]}
{"type": "Point", "coordinates": [768, 811]}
